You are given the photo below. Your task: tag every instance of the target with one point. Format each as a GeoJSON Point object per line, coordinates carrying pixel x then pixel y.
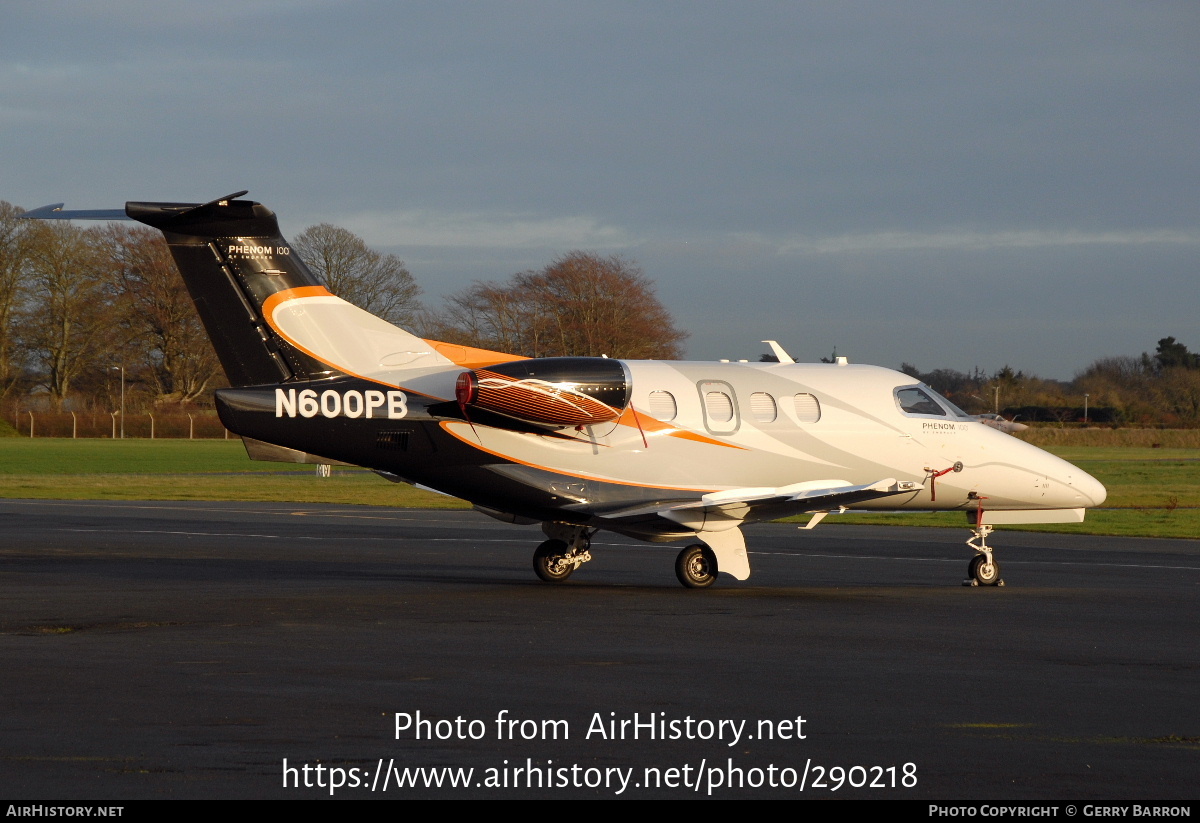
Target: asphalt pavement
{"type": "Point", "coordinates": [229, 650]}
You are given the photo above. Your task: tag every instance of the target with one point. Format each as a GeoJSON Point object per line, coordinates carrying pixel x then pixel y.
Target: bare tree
{"type": "Point", "coordinates": [376, 282]}
{"type": "Point", "coordinates": [488, 315]}
{"type": "Point", "coordinates": [162, 327]}
{"type": "Point", "coordinates": [13, 271]}
{"type": "Point", "coordinates": [68, 323]}
{"type": "Point", "coordinates": [582, 304]}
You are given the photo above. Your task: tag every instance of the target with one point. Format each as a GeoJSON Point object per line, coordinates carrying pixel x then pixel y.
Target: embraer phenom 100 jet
{"type": "Point", "coordinates": [660, 451]}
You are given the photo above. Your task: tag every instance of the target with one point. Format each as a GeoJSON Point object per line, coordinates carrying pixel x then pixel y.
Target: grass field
{"type": "Point", "coordinates": [1056, 437]}
{"type": "Point", "coordinates": [186, 470]}
{"type": "Point", "coordinates": [1151, 491]}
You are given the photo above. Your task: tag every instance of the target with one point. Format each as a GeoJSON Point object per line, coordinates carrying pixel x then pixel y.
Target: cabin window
{"type": "Point", "coordinates": [762, 407]}
{"type": "Point", "coordinates": [808, 408]}
{"type": "Point", "coordinates": [914, 400]}
{"type": "Point", "coordinates": [719, 406]}
{"type": "Point", "coordinates": [721, 414]}
{"type": "Point", "coordinates": [662, 405]}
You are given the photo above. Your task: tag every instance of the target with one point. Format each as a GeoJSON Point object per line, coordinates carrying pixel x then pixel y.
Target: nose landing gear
{"type": "Point", "coordinates": [983, 570]}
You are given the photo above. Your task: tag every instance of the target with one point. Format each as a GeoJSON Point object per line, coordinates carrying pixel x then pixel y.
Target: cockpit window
{"type": "Point", "coordinates": [954, 410]}
{"type": "Point", "coordinates": [924, 400]}
{"type": "Point", "coordinates": [913, 400]}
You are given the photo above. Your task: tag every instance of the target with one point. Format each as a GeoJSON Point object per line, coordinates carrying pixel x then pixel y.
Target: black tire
{"type": "Point", "coordinates": [548, 562]}
{"type": "Point", "coordinates": [696, 567]}
{"type": "Point", "coordinates": [983, 572]}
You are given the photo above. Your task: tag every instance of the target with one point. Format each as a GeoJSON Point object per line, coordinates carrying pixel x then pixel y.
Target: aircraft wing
{"type": "Point", "coordinates": [721, 510]}
{"type": "Point", "coordinates": [715, 517]}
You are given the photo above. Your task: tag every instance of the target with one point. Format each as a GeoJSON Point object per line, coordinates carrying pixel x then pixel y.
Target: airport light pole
{"type": "Point", "coordinates": [1085, 404]}
{"type": "Point", "coordinates": [121, 368]}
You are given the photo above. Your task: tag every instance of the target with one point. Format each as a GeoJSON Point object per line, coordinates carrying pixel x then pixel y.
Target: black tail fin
{"type": "Point", "coordinates": [233, 258]}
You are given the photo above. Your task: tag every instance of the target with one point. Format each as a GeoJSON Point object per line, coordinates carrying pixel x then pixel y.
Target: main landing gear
{"type": "Point", "coordinates": [566, 550]}
{"type": "Point", "coordinates": [983, 570]}
{"type": "Point", "coordinates": [555, 560]}
{"type": "Point", "coordinates": [696, 567]}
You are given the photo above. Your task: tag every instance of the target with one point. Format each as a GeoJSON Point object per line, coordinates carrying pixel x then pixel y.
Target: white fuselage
{"type": "Point", "coordinates": [717, 426]}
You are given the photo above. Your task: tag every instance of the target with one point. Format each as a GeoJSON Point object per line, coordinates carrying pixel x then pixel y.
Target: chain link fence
{"type": "Point", "coordinates": [194, 425]}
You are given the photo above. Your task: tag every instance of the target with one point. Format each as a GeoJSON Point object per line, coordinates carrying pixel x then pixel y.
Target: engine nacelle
{"type": "Point", "coordinates": [549, 391]}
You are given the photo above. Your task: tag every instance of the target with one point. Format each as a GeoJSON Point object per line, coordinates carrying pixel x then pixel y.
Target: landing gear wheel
{"type": "Point", "coordinates": [550, 561]}
{"type": "Point", "coordinates": [696, 567]}
{"type": "Point", "coordinates": [983, 571]}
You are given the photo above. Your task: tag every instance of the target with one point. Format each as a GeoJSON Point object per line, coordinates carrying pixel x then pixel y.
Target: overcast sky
{"type": "Point", "coordinates": [949, 184]}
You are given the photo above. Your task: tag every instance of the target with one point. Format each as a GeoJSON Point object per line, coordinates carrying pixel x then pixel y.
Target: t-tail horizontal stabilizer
{"type": "Point", "coordinates": [233, 259]}
{"type": "Point", "coordinates": [55, 212]}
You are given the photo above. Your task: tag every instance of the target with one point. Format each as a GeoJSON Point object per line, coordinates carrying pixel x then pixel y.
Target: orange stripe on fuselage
{"type": "Point", "coordinates": [476, 445]}
{"type": "Point", "coordinates": [268, 309]}
{"type": "Point", "coordinates": [472, 358]}
{"type": "Point", "coordinates": [273, 302]}
{"type": "Point", "coordinates": [635, 419]}
{"type": "Point", "coordinates": [684, 434]}
{"type": "Point", "coordinates": [465, 357]}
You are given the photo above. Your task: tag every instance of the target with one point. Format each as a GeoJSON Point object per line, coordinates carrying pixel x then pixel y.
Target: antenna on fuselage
{"type": "Point", "coordinates": [778, 351]}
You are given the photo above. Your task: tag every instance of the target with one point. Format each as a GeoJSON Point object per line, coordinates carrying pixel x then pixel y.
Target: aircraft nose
{"type": "Point", "coordinates": [1038, 479]}
{"type": "Point", "coordinates": [1068, 485]}
{"type": "Point", "coordinates": [1089, 487]}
